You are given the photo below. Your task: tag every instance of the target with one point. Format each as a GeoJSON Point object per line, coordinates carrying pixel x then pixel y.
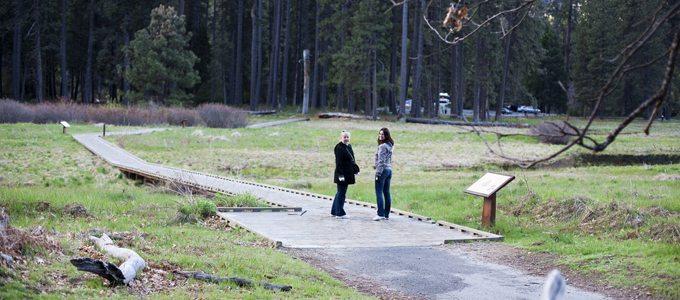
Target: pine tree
{"type": "Point", "coordinates": [159, 56]}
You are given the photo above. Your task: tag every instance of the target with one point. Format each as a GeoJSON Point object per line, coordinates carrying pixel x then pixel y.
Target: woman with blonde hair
{"type": "Point", "coordinates": [345, 170]}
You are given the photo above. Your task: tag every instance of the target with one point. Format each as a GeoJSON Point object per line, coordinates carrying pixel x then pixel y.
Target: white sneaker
{"type": "Point", "coordinates": [332, 215]}
{"type": "Point", "coordinates": [342, 217]}
{"type": "Point", "coordinates": [378, 218]}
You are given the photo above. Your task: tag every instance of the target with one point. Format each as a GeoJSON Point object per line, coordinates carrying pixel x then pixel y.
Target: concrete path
{"type": "Point", "coordinates": [392, 253]}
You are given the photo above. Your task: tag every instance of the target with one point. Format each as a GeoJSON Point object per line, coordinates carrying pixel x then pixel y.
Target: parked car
{"type": "Point", "coordinates": [407, 109]}
{"type": "Point", "coordinates": [506, 111]}
{"type": "Point", "coordinates": [529, 110]}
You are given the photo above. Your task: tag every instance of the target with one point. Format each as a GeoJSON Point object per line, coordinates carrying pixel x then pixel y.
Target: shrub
{"type": "Point", "coordinates": [240, 200]}
{"type": "Point", "coordinates": [175, 115]}
{"type": "Point", "coordinates": [221, 116]}
{"type": "Point", "coordinates": [553, 132]}
{"type": "Point", "coordinates": [14, 112]}
{"type": "Point", "coordinates": [205, 208]}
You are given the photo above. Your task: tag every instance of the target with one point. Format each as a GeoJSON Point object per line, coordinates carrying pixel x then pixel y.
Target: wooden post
{"type": "Point", "coordinates": [305, 88]}
{"type": "Point", "coordinates": [183, 123]}
{"type": "Point", "coordinates": [104, 129]}
{"type": "Point", "coordinates": [489, 211]}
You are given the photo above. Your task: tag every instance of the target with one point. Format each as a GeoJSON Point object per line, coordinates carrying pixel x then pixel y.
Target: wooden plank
{"type": "Point", "coordinates": [468, 230]}
{"type": "Point", "coordinates": [258, 209]}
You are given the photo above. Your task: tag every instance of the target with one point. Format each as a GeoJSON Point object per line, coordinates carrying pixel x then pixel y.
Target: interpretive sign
{"type": "Point", "coordinates": [487, 186]}
{"type": "Point", "coordinates": [65, 124]}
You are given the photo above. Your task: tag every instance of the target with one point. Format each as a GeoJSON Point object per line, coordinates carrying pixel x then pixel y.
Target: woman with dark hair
{"type": "Point", "coordinates": [383, 174]}
{"type": "Point", "coordinates": [345, 169]}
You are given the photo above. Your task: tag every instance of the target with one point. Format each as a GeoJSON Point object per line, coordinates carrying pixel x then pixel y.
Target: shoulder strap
{"type": "Point", "coordinates": [350, 154]}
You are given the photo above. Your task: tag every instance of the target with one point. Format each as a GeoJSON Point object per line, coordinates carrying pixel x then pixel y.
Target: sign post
{"type": "Point", "coordinates": [486, 187]}
{"type": "Point", "coordinates": [65, 124]}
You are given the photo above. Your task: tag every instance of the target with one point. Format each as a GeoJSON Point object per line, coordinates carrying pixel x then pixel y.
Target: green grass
{"type": "Point", "coordinates": [68, 174]}
{"type": "Point", "coordinates": [432, 166]}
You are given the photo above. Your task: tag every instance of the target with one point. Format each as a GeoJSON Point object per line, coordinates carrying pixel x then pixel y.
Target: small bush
{"type": "Point", "coordinates": [240, 200]}
{"type": "Point", "coordinates": [221, 116]}
{"type": "Point", "coordinates": [205, 208]}
{"type": "Point", "coordinates": [14, 112]}
{"type": "Point", "coordinates": [175, 115]}
{"type": "Point", "coordinates": [553, 132]}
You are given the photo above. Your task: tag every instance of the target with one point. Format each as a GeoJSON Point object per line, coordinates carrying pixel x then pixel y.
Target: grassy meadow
{"type": "Point", "coordinates": [618, 224]}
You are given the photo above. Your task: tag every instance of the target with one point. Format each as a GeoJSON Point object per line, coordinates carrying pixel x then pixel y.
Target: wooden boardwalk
{"type": "Point", "coordinates": [314, 227]}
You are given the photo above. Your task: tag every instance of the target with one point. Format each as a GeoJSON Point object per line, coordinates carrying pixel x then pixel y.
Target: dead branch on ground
{"type": "Point", "coordinates": [200, 275]}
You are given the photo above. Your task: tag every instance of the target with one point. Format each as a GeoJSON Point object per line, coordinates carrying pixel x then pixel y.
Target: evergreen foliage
{"type": "Point", "coordinates": [543, 83]}
{"type": "Point", "coordinates": [160, 58]}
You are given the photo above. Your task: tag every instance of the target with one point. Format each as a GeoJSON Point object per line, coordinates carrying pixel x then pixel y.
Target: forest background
{"type": "Point", "coordinates": [248, 53]}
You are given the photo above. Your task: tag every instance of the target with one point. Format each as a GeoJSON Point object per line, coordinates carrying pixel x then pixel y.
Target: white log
{"type": "Point", "coordinates": [132, 262]}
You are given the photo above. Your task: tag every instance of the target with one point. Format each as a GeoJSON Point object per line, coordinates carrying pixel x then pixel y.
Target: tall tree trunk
{"type": "Point", "coordinates": [454, 83]}
{"type": "Point", "coordinates": [375, 83]}
{"type": "Point", "coordinates": [253, 60]}
{"type": "Point", "coordinates": [315, 75]}
{"type": "Point", "coordinates": [87, 94]}
{"type": "Point", "coordinates": [214, 52]}
{"type": "Point", "coordinates": [417, 70]}
{"type": "Point", "coordinates": [38, 56]}
{"type": "Point", "coordinates": [272, 94]}
{"type": "Point", "coordinates": [478, 77]}
{"type": "Point", "coordinates": [16, 53]}
{"type": "Point", "coordinates": [341, 86]}
{"type": "Point", "coordinates": [259, 51]}
{"type": "Point", "coordinates": [238, 89]}
{"type": "Point", "coordinates": [350, 101]}
{"type": "Point", "coordinates": [567, 38]}
{"type": "Point", "coordinates": [64, 76]}
{"type": "Point", "coordinates": [305, 87]}
{"type": "Point", "coordinates": [297, 51]}
{"type": "Point", "coordinates": [404, 61]}
{"type": "Point", "coordinates": [392, 101]}
{"type": "Point", "coordinates": [324, 68]}
{"type": "Point", "coordinates": [461, 79]}
{"type": "Point", "coordinates": [284, 75]}
{"type": "Point", "coordinates": [557, 20]}
{"type": "Point", "coordinates": [126, 59]}
{"type": "Point", "coordinates": [368, 101]}
{"type": "Point", "coordinates": [181, 7]}
{"type": "Point", "coordinates": [501, 95]}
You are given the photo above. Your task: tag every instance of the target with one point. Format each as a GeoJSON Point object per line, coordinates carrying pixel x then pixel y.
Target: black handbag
{"type": "Point", "coordinates": [355, 167]}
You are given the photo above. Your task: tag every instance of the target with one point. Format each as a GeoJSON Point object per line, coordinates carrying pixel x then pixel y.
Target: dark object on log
{"type": "Point", "coordinates": [200, 275]}
{"type": "Point", "coordinates": [341, 115]}
{"type": "Point", "coordinates": [461, 123]}
{"type": "Point", "coordinates": [104, 269]}
{"type": "Point", "coordinates": [262, 112]}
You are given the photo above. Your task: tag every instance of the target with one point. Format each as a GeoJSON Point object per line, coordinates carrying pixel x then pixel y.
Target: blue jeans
{"type": "Point", "coordinates": [382, 186]}
{"type": "Point", "coordinates": [339, 202]}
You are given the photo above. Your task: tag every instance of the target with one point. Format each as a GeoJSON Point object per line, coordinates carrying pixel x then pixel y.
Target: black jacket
{"type": "Point", "coordinates": [343, 163]}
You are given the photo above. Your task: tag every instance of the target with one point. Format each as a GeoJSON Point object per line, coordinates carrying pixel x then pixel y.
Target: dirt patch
{"type": "Point", "coordinates": [20, 243]}
{"type": "Point", "coordinates": [77, 210]}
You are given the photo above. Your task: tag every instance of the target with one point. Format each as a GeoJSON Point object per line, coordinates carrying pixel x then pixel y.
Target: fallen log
{"type": "Point", "coordinates": [276, 123]}
{"type": "Point", "coordinates": [462, 123]}
{"type": "Point", "coordinates": [200, 275]}
{"type": "Point", "coordinates": [126, 272]}
{"type": "Point", "coordinates": [261, 112]}
{"type": "Point", "coordinates": [342, 115]}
